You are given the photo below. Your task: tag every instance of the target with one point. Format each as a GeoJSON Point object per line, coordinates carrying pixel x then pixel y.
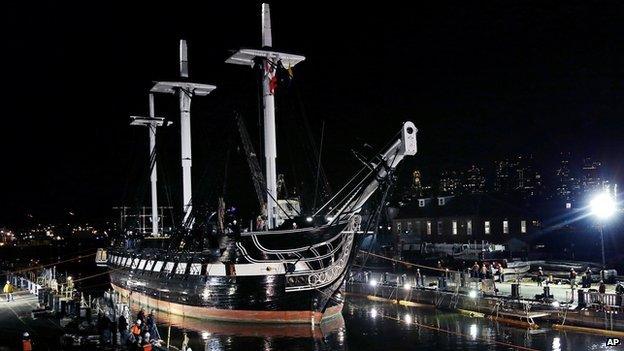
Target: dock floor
{"type": "Point", "coordinates": [15, 319]}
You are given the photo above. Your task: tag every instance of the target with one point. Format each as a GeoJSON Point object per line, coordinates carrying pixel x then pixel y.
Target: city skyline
{"type": "Point", "coordinates": [570, 179]}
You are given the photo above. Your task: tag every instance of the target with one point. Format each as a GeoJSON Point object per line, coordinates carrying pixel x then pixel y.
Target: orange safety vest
{"type": "Point", "coordinates": [26, 345]}
{"type": "Point", "coordinates": [135, 329]}
{"type": "Point", "coordinates": [147, 347]}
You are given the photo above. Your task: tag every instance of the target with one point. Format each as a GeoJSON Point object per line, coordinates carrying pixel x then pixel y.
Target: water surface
{"type": "Point", "coordinates": [368, 325]}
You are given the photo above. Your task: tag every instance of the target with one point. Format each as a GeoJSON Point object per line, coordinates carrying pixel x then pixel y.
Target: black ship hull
{"type": "Point", "coordinates": [300, 284]}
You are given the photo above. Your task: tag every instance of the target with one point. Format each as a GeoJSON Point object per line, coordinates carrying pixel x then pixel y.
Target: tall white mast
{"type": "Point", "coordinates": [185, 90]}
{"type": "Point", "coordinates": [152, 123]}
{"type": "Point", "coordinates": [268, 60]}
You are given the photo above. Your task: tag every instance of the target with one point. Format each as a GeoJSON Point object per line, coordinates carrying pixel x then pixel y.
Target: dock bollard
{"type": "Point", "coordinates": [547, 292]}
{"type": "Point", "coordinates": [515, 291]}
{"type": "Point", "coordinates": [581, 298]}
{"type": "Point", "coordinates": [49, 299]}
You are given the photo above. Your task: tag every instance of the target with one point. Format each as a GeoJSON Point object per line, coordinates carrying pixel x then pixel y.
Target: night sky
{"type": "Point", "coordinates": [481, 80]}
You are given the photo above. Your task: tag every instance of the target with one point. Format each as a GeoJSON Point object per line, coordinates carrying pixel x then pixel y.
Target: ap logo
{"type": "Point", "coordinates": [613, 342]}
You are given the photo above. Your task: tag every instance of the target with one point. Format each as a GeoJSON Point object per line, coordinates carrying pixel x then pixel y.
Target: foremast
{"type": "Point", "coordinates": [185, 91]}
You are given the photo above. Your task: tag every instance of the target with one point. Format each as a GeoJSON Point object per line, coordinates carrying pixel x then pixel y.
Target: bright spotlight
{"type": "Point", "coordinates": [555, 304]}
{"type": "Point", "coordinates": [472, 294]}
{"type": "Point", "coordinates": [473, 331]}
{"type": "Point", "coordinates": [308, 219]}
{"type": "Point", "coordinates": [373, 282]}
{"type": "Point", "coordinates": [408, 319]}
{"type": "Point", "coordinates": [602, 206]}
{"type": "Point", "coordinates": [407, 286]}
{"type": "Point", "coordinates": [373, 312]}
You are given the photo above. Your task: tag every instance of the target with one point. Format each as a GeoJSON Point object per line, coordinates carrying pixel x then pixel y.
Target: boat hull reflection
{"type": "Point", "coordinates": [218, 335]}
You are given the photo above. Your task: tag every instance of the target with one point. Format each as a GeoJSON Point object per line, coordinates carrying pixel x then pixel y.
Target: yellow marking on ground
{"type": "Point", "coordinates": [586, 330]}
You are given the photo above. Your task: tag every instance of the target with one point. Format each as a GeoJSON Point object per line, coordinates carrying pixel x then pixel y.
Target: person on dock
{"type": "Point", "coordinates": [500, 272]}
{"type": "Point", "coordinates": [602, 288]}
{"type": "Point", "coordinates": [419, 278]}
{"type": "Point", "coordinates": [141, 315]}
{"type": "Point", "coordinates": [540, 276]}
{"type": "Point", "coordinates": [26, 342]}
{"type": "Point", "coordinates": [147, 344]}
{"type": "Point", "coordinates": [8, 291]}
{"type": "Point", "coordinates": [136, 329]}
{"type": "Point", "coordinates": [138, 344]}
{"type": "Point", "coordinates": [122, 325]}
{"type": "Point", "coordinates": [152, 328]}
{"type": "Point", "coordinates": [103, 328]}
{"type": "Point", "coordinates": [483, 271]}
{"type": "Point", "coordinates": [572, 278]}
{"type": "Point", "coordinates": [474, 271]}
{"type": "Point", "coordinates": [588, 278]}
{"type": "Point", "coordinates": [185, 341]}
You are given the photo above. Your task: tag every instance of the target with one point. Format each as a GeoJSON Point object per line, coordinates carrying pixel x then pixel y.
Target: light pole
{"type": "Point", "coordinates": [602, 206]}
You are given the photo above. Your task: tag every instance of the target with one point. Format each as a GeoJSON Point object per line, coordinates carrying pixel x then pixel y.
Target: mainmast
{"type": "Point", "coordinates": [152, 123]}
{"type": "Point", "coordinates": [185, 91]}
{"type": "Point", "coordinates": [269, 61]}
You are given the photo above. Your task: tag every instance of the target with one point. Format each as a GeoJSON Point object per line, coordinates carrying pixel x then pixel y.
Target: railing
{"type": "Point", "coordinates": [602, 299]}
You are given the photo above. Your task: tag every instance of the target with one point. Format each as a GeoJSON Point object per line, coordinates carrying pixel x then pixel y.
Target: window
{"type": "Point", "coordinates": [135, 263]}
{"type": "Point", "coordinates": [428, 228]}
{"type": "Point", "coordinates": [123, 261]}
{"type": "Point", "coordinates": [417, 230]}
{"type": "Point", "coordinates": [195, 269]}
{"type": "Point", "coordinates": [168, 267]}
{"type": "Point", "coordinates": [128, 261]}
{"type": "Point", "coordinates": [142, 264]}
{"type": "Point", "coordinates": [421, 202]}
{"type": "Point", "coordinates": [505, 227]}
{"type": "Point", "coordinates": [440, 201]}
{"type": "Point", "coordinates": [454, 227]}
{"type": "Point", "coordinates": [568, 205]}
{"type": "Point", "coordinates": [522, 227]}
{"type": "Point", "coordinates": [439, 227]}
{"type": "Point", "coordinates": [181, 268]}
{"type": "Point", "coordinates": [469, 227]}
{"type": "Point", "coordinates": [149, 265]}
{"type": "Point", "coordinates": [486, 227]}
{"type": "Point", "coordinates": [158, 266]}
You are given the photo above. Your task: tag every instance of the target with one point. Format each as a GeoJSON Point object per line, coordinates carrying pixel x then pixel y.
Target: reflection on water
{"type": "Point", "coordinates": [368, 325]}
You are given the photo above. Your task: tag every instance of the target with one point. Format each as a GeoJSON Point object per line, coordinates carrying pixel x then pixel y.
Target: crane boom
{"type": "Point", "coordinates": [252, 161]}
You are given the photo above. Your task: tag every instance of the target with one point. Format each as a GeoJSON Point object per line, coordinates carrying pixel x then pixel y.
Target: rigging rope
{"type": "Point", "coordinates": [404, 262]}
{"type": "Point", "coordinates": [318, 166]}
{"type": "Point", "coordinates": [51, 264]}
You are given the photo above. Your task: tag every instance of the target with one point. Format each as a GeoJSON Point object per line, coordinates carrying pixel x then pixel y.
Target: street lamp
{"type": "Point", "coordinates": [602, 206]}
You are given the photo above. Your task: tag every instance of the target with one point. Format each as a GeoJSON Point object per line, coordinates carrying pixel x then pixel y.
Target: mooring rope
{"type": "Point", "coordinates": [404, 262]}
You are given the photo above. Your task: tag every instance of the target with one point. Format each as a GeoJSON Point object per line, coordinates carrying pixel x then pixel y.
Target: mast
{"type": "Point", "coordinates": [268, 60]}
{"type": "Point", "coordinates": [185, 91]}
{"type": "Point", "coordinates": [152, 123]}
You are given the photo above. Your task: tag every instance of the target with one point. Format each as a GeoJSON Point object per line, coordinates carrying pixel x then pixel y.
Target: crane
{"type": "Point", "coordinates": [252, 160]}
